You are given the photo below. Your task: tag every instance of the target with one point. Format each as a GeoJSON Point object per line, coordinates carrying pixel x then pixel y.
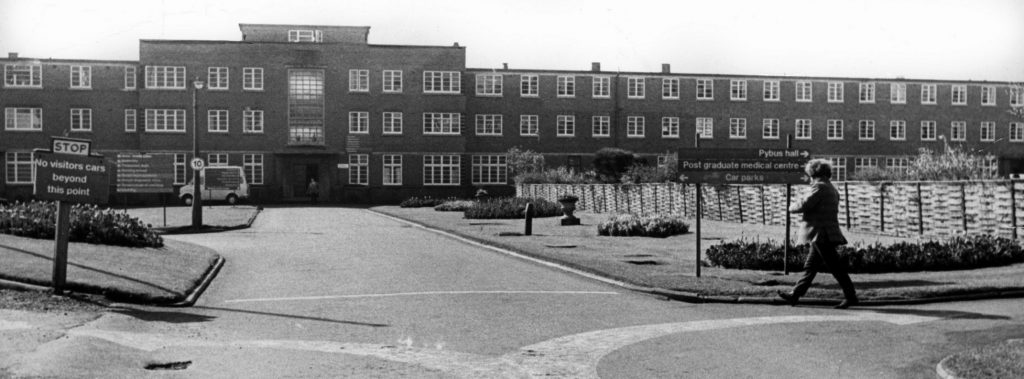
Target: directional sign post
{"type": "Point", "coordinates": [741, 166]}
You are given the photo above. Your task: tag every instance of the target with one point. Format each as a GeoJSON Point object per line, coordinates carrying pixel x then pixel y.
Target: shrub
{"type": "Point", "coordinates": [610, 163]}
{"type": "Point", "coordinates": [416, 202]}
{"type": "Point", "coordinates": [957, 253]}
{"type": "Point", "coordinates": [524, 162]}
{"type": "Point", "coordinates": [454, 206]}
{"type": "Point", "coordinates": [627, 225]}
{"type": "Point", "coordinates": [953, 164]}
{"type": "Point", "coordinates": [559, 175]}
{"type": "Point", "coordinates": [511, 208]}
{"type": "Point", "coordinates": [89, 224]}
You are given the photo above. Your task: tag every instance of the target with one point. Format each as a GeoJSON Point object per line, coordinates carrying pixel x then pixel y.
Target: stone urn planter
{"type": "Point", "coordinates": [568, 207]}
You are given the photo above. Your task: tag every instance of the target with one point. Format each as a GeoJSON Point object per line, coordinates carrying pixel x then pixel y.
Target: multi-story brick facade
{"type": "Point", "coordinates": [378, 123]}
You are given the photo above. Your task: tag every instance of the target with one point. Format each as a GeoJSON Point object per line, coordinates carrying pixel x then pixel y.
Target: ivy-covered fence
{"type": "Point", "coordinates": [908, 209]}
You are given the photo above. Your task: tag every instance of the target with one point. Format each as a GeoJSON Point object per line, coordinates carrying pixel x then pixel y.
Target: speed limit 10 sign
{"type": "Point", "coordinates": [197, 164]}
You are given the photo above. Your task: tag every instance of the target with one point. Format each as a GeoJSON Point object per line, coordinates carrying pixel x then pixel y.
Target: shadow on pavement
{"type": "Point", "coordinates": [944, 314]}
{"type": "Point", "coordinates": [296, 317]}
{"type": "Point", "coordinates": [171, 317]}
{"type": "Point", "coordinates": [890, 284]}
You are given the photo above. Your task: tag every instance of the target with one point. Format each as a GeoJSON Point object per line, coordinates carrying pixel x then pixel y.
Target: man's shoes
{"type": "Point", "coordinates": [789, 297]}
{"type": "Point", "coordinates": [847, 303]}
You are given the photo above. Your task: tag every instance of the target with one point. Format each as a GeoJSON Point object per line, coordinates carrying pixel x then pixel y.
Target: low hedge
{"type": "Point", "coordinates": [511, 208]}
{"type": "Point", "coordinates": [454, 206]}
{"type": "Point", "coordinates": [627, 225]}
{"type": "Point", "coordinates": [421, 202]}
{"type": "Point", "coordinates": [89, 224]}
{"type": "Point", "coordinates": [957, 253]}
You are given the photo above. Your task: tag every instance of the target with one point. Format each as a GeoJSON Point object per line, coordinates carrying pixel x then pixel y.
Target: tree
{"type": "Point", "coordinates": [610, 163]}
{"type": "Point", "coordinates": [524, 161]}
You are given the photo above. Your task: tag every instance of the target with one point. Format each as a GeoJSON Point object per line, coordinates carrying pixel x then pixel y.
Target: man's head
{"type": "Point", "coordinates": [819, 169]}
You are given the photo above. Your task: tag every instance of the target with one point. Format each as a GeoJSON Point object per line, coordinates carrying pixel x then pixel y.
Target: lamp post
{"type": "Point", "coordinates": [197, 198]}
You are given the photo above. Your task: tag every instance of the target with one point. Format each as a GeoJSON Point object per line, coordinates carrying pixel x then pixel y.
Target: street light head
{"type": "Point", "coordinates": [198, 84]}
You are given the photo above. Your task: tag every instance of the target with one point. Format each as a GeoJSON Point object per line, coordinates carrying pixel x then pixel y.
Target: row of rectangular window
{"type": "Point", "coordinates": [529, 86]}
{"type": "Point", "coordinates": [438, 170]}
{"type": "Point", "coordinates": [19, 167]}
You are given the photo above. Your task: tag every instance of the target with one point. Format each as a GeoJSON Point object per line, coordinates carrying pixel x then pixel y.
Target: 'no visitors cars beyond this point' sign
{"type": "Point", "coordinates": [71, 178]}
{"type": "Point", "coordinates": [743, 166]}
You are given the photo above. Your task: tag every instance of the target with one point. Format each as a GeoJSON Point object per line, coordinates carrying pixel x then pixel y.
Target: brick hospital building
{"type": "Point", "coordinates": [379, 123]}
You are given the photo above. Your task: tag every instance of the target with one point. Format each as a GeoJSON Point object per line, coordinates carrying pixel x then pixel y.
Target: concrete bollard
{"type": "Point", "coordinates": [529, 219]}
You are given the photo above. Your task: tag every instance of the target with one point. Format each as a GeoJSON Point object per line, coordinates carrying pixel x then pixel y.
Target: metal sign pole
{"type": "Point", "coordinates": [789, 192]}
{"type": "Point", "coordinates": [696, 145]}
{"type": "Point", "coordinates": [60, 246]}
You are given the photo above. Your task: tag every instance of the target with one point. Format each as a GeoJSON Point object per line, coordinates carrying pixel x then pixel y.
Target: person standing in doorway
{"type": "Point", "coordinates": [820, 210]}
{"type": "Point", "coordinates": [313, 190]}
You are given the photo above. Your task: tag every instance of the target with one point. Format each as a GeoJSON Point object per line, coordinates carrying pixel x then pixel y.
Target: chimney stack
{"type": "Point", "coordinates": [595, 66]}
{"type": "Point", "coordinates": [12, 55]}
{"type": "Point", "coordinates": [504, 66]}
{"type": "Point", "coordinates": [666, 68]}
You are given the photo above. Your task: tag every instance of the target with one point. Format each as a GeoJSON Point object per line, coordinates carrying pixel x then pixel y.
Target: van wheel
{"type": "Point", "coordinates": [187, 199]}
{"type": "Point", "coordinates": [232, 199]}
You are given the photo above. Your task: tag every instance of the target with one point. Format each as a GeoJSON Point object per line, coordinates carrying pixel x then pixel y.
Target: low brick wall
{"type": "Point", "coordinates": [906, 209]}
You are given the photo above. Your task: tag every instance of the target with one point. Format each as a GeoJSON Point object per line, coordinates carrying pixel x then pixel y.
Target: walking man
{"type": "Point", "coordinates": [313, 190]}
{"type": "Point", "coordinates": [820, 209]}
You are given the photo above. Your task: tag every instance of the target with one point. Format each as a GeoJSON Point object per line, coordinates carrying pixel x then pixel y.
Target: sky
{"type": "Point", "coordinates": [926, 39]}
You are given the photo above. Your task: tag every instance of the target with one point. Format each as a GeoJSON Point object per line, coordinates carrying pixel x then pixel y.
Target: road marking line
{"type": "Point", "coordinates": [574, 356]}
{"type": "Point", "coordinates": [431, 293]}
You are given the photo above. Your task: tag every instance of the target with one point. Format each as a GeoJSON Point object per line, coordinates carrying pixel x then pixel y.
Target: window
{"type": "Point", "coordinates": [663, 160]}
{"type": "Point", "coordinates": [23, 119]}
{"type": "Point", "coordinates": [217, 121]}
{"type": "Point", "coordinates": [959, 95]}
{"type": "Point", "coordinates": [392, 170]}
{"type": "Point", "coordinates": [442, 123]}
{"type": "Point", "coordinates": [803, 129]}
{"type": "Point", "coordinates": [898, 93]}
{"type": "Point", "coordinates": [529, 125]}
{"type": "Point", "coordinates": [392, 81]}
{"type": "Point", "coordinates": [635, 127]}
{"type": "Point", "coordinates": [602, 87]}
{"type": "Point", "coordinates": [565, 125]}
{"type": "Point", "coordinates": [738, 90]}
{"type": "Point", "coordinates": [566, 86]}
{"type": "Point", "coordinates": [252, 78]}
{"type": "Point", "coordinates": [988, 131]}
{"type": "Point", "coordinates": [252, 165]}
{"type": "Point", "coordinates": [305, 36]}
{"type": "Point", "coordinates": [635, 88]}
{"type": "Point", "coordinates": [958, 131]}
{"type": "Point", "coordinates": [771, 90]}
{"type": "Point", "coordinates": [602, 126]}
{"type": "Point", "coordinates": [1017, 132]}
{"type": "Point", "coordinates": [19, 167]}
{"type": "Point", "coordinates": [867, 92]}
{"type": "Point", "coordinates": [359, 80]}
{"type": "Point", "coordinates": [217, 78]}
{"type": "Point", "coordinates": [306, 106]}
{"type": "Point", "coordinates": [737, 128]}
{"type": "Point", "coordinates": [1016, 96]}
{"type": "Point", "coordinates": [838, 168]}
{"type": "Point", "coordinates": [165, 77]}
{"type": "Point", "coordinates": [803, 91]}
{"type": "Point", "coordinates": [928, 130]}
{"type": "Point", "coordinates": [670, 127]}
{"type": "Point", "coordinates": [488, 84]}
{"type": "Point", "coordinates": [770, 128]}
{"type": "Point", "coordinates": [670, 88]}
{"type": "Point", "coordinates": [866, 130]}
{"type": "Point", "coordinates": [129, 77]}
{"type": "Point", "coordinates": [359, 122]}
{"type": "Point", "coordinates": [529, 85]}
{"type": "Point", "coordinates": [706, 127]}
{"type": "Point", "coordinates": [23, 76]}
{"type": "Point", "coordinates": [359, 169]}
{"type": "Point", "coordinates": [81, 77]}
{"type": "Point", "coordinates": [863, 163]}
{"type": "Point", "coordinates": [488, 124]}
{"type": "Point", "coordinates": [929, 94]}
{"type": "Point", "coordinates": [165, 120]}
{"type": "Point", "coordinates": [489, 169]}
{"type": "Point", "coordinates": [180, 165]}
{"type": "Point", "coordinates": [835, 92]}
{"type": "Point", "coordinates": [705, 89]}
{"type": "Point", "coordinates": [130, 120]}
{"type": "Point", "coordinates": [392, 123]}
{"type": "Point", "coordinates": [897, 164]}
{"type": "Point", "coordinates": [449, 82]}
{"type": "Point", "coordinates": [252, 121]}
{"type": "Point", "coordinates": [988, 95]}
{"type": "Point", "coordinates": [217, 159]}
{"type": "Point", "coordinates": [898, 130]}
{"type": "Point", "coordinates": [834, 130]}
{"type": "Point", "coordinates": [441, 170]}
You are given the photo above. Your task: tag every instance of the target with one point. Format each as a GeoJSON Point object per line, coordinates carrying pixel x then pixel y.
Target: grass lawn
{"type": "Point", "coordinates": [670, 263]}
{"type": "Point", "coordinates": [1003, 360]}
{"type": "Point", "coordinates": [180, 215]}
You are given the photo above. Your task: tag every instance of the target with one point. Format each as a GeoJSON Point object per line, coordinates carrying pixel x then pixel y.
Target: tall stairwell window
{"type": "Point", "coordinates": [305, 107]}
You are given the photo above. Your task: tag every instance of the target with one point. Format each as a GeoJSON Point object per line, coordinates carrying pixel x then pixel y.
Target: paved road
{"type": "Point", "coordinates": [329, 292]}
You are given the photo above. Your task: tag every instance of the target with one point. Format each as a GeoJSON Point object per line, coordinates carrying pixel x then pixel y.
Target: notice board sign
{"type": "Point", "coordinates": [223, 178]}
{"type": "Point", "coordinates": [145, 173]}
{"type": "Point", "coordinates": [743, 166]}
{"type": "Point", "coordinates": [70, 178]}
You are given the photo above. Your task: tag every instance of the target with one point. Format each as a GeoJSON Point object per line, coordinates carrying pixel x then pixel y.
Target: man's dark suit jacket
{"type": "Point", "coordinates": [820, 209]}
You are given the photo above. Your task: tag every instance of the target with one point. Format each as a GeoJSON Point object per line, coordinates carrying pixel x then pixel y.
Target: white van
{"type": "Point", "coordinates": [218, 183]}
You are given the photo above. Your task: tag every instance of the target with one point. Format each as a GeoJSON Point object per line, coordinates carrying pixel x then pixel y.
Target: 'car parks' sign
{"type": "Point", "coordinates": [742, 166]}
{"type": "Point", "coordinates": [70, 177]}
{"type": "Point", "coordinates": [145, 173]}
